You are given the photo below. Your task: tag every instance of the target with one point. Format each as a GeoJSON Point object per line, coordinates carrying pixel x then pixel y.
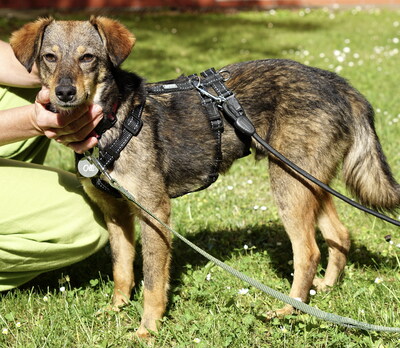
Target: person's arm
{"type": "Point", "coordinates": [12, 72]}
{"type": "Point", "coordinates": [72, 130]}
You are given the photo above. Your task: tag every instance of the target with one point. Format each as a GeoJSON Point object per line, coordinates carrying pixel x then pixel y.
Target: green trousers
{"type": "Point", "coordinates": [46, 221]}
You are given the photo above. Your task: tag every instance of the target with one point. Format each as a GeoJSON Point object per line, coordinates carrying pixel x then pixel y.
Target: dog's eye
{"type": "Point", "coordinates": [86, 58]}
{"type": "Point", "coordinates": [51, 58]}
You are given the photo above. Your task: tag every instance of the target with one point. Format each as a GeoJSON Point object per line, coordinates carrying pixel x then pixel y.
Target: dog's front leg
{"type": "Point", "coordinates": [156, 243]}
{"type": "Point", "coordinates": [121, 229]}
{"type": "Point", "coordinates": [120, 223]}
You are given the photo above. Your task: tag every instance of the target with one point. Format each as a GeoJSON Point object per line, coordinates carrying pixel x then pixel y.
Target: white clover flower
{"type": "Point", "coordinates": [208, 277]}
{"type": "Point", "coordinates": [346, 50]}
{"type": "Point", "coordinates": [396, 40]}
{"type": "Point", "coordinates": [263, 207]}
{"type": "Point", "coordinates": [249, 181]}
{"type": "Point", "coordinates": [337, 53]}
{"type": "Point", "coordinates": [245, 247]}
{"type": "Point", "coordinates": [62, 289]}
{"type": "Point", "coordinates": [338, 69]}
{"type": "Point", "coordinates": [312, 292]}
{"type": "Point", "coordinates": [243, 291]}
{"type": "Point", "coordinates": [256, 207]}
{"type": "Point", "coordinates": [197, 340]}
{"type": "Point", "coordinates": [45, 299]}
{"type": "Point", "coordinates": [230, 187]}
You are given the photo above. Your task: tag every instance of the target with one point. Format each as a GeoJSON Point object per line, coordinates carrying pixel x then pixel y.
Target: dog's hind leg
{"type": "Point", "coordinates": [338, 240]}
{"type": "Point", "coordinates": [298, 207]}
{"type": "Point", "coordinates": [156, 242]}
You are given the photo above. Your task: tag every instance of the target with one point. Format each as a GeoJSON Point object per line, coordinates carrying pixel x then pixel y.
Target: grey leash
{"type": "Point", "coordinates": [333, 318]}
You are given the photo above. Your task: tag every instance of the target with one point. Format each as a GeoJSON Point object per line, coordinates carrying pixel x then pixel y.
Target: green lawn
{"type": "Point", "coordinates": [208, 307]}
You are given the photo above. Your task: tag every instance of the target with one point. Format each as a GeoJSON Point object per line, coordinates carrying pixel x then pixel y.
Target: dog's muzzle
{"type": "Point", "coordinates": [65, 91]}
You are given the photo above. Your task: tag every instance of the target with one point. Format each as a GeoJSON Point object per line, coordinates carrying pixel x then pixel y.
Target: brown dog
{"type": "Point", "coordinates": [311, 116]}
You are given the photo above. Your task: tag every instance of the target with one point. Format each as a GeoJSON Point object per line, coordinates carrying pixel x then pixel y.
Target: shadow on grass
{"type": "Point", "coordinates": [270, 238]}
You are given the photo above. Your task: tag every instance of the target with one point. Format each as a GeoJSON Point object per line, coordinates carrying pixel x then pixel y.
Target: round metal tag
{"type": "Point", "coordinates": [87, 169]}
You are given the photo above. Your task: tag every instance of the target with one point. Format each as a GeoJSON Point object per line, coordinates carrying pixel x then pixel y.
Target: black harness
{"type": "Point", "coordinates": [223, 99]}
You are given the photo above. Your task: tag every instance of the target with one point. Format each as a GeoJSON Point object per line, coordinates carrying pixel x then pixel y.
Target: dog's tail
{"type": "Point", "coordinates": [366, 170]}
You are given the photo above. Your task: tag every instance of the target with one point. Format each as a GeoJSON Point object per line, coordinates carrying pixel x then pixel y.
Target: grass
{"type": "Point", "coordinates": [206, 307]}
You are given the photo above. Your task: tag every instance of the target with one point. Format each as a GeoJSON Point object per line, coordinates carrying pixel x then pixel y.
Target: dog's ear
{"type": "Point", "coordinates": [26, 41]}
{"type": "Point", "coordinates": [117, 39]}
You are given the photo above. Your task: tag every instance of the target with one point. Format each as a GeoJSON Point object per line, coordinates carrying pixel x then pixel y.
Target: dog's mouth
{"type": "Point", "coordinates": [67, 105]}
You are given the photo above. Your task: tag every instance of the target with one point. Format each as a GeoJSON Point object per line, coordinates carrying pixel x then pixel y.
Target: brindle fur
{"type": "Point", "coordinates": [311, 116]}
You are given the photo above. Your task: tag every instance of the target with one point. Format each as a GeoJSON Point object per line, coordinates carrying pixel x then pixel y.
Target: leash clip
{"type": "Point", "coordinates": [197, 84]}
{"type": "Point", "coordinates": [95, 161]}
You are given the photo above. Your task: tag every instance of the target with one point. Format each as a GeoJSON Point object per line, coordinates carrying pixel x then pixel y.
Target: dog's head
{"type": "Point", "coordinates": [72, 57]}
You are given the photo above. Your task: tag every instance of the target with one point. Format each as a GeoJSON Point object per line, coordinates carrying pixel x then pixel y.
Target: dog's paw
{"type": "Point", "coordinates": [279, 313]}
{"type": "Point", "coordinates": [142, 333]}
{"type": "Point", "coordinates": [113, 308]}
{"type": "Point", "coordinates": [145, 334]}
{"type": "Point", "coordinates": [320, 285]}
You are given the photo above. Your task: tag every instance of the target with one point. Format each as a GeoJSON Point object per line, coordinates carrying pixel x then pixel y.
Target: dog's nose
{"type": "Point", "coordinates": [65, 91]}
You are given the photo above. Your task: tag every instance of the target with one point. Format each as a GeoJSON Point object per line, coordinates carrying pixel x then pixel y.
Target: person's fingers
{"type": "Point", "coordinates": [78, 131]}
{"type": "Point", "coordinates": [82, 146]}
{"type": "Point", "coordinates": [43, 96]}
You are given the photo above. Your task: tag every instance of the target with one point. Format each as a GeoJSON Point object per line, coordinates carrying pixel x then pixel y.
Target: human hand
{"type": "Point", "coordinates": [73, 129]}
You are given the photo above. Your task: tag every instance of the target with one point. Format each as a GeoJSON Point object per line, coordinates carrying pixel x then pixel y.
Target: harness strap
{"type": "Point", "coordinates": [216, 81]}
{"type": "Point", "coordinates": [107, 122]}
{"type": "Point", "coordinates": [105, 187]}
{"type": "Point", "coordinates": [131, 127]}
{"type": "Point", "coordinates": [169, 87]}
{"type": "Point", "coordinates": [216, 124]}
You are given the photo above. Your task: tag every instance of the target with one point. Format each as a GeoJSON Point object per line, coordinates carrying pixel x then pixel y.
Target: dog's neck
{"type": "Point", "coordinates": [118, 87]}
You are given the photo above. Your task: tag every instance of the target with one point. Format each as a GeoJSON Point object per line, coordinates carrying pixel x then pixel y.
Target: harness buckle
{"type": "Point", "coordinates": [134, 124]}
